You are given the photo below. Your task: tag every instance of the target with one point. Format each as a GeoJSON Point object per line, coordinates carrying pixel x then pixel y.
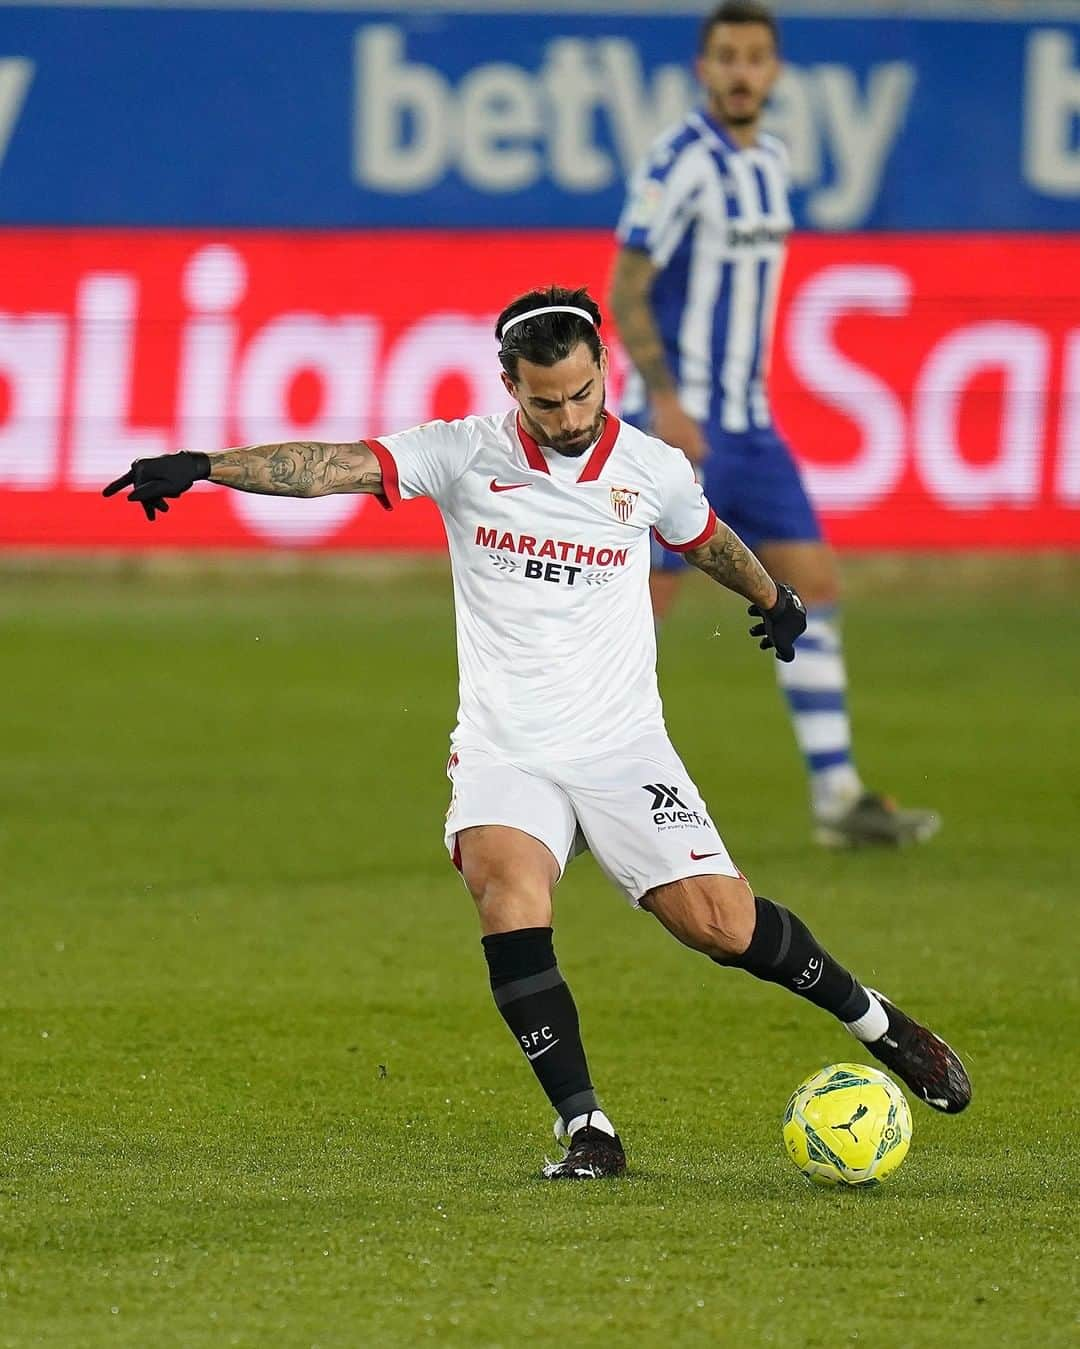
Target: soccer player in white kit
{"type": "Point", "coordinates": [560, 743]}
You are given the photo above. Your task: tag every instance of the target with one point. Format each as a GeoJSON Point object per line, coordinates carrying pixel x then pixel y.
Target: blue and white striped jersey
{"type": "Point", "coordinates": [714, 219]}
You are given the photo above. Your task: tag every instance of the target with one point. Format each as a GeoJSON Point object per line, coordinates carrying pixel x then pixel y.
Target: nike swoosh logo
{"type": "Point", "coordinates": [545, 1049]}
{"type": "Point", "coordinates": [506, 486]}
{"type": "Point", "coordinates": [701, 856]}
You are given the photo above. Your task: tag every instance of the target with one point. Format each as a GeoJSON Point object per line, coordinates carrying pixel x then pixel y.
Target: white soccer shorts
{"type": "Point", "coordinates": [638, 812]}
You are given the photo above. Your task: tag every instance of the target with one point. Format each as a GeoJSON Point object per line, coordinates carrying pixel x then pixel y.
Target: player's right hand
{"type": "Point", "coordinates": [152, 480]}
{"type": "Point", "coordinates": [674, 426]}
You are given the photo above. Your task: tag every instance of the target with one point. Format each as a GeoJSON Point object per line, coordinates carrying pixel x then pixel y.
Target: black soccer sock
{"type": "Point", "coordinates": [784, 951]}
{"type": "Point", "coordinates": [537, 1005]}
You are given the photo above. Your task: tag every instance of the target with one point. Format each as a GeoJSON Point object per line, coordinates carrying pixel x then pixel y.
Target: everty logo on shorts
{"type": "Point", "coordinates": [668, 811]}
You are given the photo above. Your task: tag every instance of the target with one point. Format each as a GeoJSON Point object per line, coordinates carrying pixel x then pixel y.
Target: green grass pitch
{"type": "Point", "coordinates": [254, 1088]}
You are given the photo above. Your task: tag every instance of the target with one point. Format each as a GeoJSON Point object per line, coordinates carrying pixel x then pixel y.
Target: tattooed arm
{"type": "Point", "coordinates": [781, 614]}
{"type": "Point", "coordinates": [631, 305]}
{"type": "Point", "coordinates": [298, 468]}
{"type": "Point", "coordinates": [727, 559]}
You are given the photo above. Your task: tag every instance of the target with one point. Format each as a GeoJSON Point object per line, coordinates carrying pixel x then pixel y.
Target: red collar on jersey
{"type": "Point", "coordinates": [534, 455]}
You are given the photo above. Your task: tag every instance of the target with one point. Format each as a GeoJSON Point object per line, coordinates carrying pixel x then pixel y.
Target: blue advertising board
{"type": "Point", "coordinates": [331, 119]}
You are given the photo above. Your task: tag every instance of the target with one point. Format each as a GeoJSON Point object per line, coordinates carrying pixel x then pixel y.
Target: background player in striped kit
{"type": "Point", "coordinates": [694, 295]}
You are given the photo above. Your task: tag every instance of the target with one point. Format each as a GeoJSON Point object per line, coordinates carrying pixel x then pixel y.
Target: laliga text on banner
{"type": "Point", "coordinates": [930, 387]}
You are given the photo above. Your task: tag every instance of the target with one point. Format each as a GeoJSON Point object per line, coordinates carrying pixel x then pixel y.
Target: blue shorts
{"type": "Point", "coordinates": [753, 484]}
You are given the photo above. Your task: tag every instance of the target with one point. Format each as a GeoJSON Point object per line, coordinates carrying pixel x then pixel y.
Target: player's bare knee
{"type": "Point", "coordinates": [498, 895]}
{"type": "Point", "coordinates": [821, 597]}
{"type": "Point", "coordinates": [726, 917]}
{"type": "Point", "coordinates": [512, 910]}
{"type": "Point", "coordinates": [819, 583]}
{"type": "Point", "coordinates": [710, 914]}
{"type": "Point", "coordinates": [507, 896]}
{"type": "Point", "coordinates": [825, 595]}
{"type": "Point", "coordinates": [810, 567]}
{"type": "Point", "coordinates": [499, 887]}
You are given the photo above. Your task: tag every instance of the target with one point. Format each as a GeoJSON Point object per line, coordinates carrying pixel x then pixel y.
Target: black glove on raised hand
{"type": "Point", "coordinates": [781, 625]}
{"type": "Point", "coordinates": [169, 475]}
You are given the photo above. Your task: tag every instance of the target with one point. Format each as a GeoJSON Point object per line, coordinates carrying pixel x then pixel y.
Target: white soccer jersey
{"type": "Point", "coordinates": [714, 219]}
{"type": "Point", "coordinates": [550, 558]}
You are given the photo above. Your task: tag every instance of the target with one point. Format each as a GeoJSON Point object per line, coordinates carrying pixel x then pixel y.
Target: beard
{"type": "Point", "coordinates": [744, 118]}
{"type": "Point", "coordinates": [570, 446]}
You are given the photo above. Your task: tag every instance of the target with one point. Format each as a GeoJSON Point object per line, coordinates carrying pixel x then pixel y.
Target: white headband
{"type": "Point", "coordinates": [547, 309]}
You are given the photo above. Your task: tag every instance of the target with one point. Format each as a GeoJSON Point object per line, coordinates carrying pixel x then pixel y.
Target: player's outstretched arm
{"type": "Point", "coordinates": [297, 468]}
{"type": "Point", "coordinates": [782, 615]}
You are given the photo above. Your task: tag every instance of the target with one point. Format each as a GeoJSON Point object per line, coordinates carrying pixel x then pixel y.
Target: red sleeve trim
{"type": "Point", "coordinates": [703, 537]}
{"type": "Point", "coordinates": [390, 496]}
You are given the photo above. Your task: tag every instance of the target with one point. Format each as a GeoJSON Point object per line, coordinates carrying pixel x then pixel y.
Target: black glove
{"type": "Point", "coordinates": [781, 625]}
{"type": "Point", "coordinates": [169, 475]}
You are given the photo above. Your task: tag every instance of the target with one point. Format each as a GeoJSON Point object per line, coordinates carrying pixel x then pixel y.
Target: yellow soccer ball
{"type": "Point", "coordinates": [847, 1125]}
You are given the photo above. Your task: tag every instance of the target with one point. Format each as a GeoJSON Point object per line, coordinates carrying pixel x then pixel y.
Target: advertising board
{"type": "Point", "coordinates": [930, 385]}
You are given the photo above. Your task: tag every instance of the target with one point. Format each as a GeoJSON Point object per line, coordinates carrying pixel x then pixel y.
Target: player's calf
{"type": "Point", "coordinates": [784, 951]}
{"type": "Point", "coordinates": [722, 917]}
{"type": "Point", "coordinates": [510, 876]}
{"type": "Point", "coordinates": [539, 1010]}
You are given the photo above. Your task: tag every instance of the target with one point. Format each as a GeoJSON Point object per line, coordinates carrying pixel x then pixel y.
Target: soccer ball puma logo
{"type": "Point", "coordinates": [849, 1126]}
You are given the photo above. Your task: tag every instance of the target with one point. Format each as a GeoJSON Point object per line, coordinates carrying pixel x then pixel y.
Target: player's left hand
{"type": "Point", "coordinates": [782, 625]}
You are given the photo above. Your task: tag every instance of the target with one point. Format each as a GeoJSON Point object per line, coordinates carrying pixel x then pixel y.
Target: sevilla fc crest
{"type": "Point", "coordinates": [623, 501]}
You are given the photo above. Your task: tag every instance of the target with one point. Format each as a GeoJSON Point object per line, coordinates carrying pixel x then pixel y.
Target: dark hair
{"type": "Point", "coordinates": [548, 338]}
{"type": "Point", "coordinates": [739, 11]}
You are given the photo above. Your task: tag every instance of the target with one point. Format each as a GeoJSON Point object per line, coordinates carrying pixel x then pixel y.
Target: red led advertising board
{"type": "Point", "coordinates": [929, 384]}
